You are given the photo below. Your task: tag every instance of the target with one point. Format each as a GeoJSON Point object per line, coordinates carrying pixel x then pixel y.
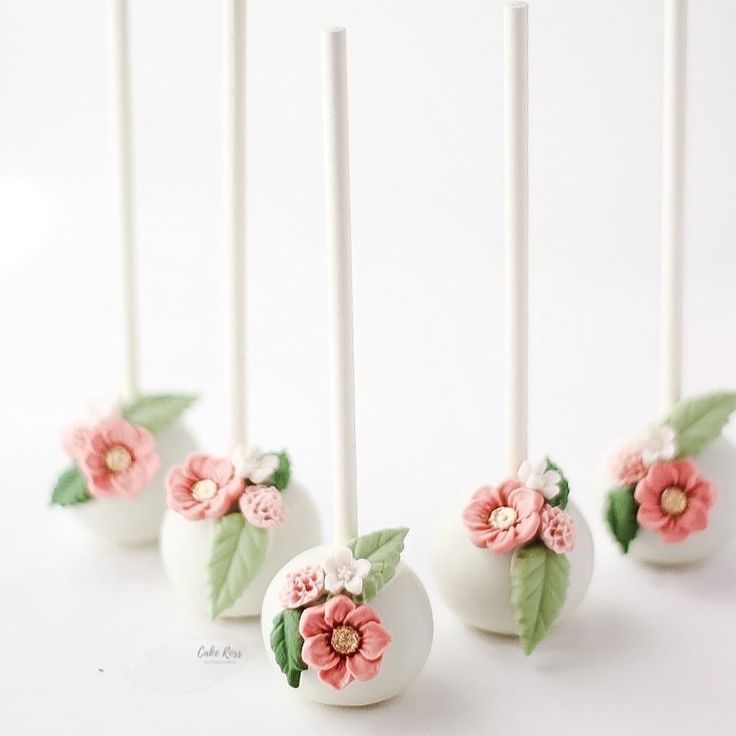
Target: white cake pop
{"type": "Point", "coordinates": [233, 522]}
{"type": "Point", "coordinates": [511, 559]}
{"type": "Point", "coordinates": [348, 624]}
{"type": "Point", "coordinates": [115, 486]}
{"type": "Point", "coordinates": [671, 498]}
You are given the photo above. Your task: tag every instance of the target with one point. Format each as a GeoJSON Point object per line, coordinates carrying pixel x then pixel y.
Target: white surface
{"type": "Point", "coordinates": [336, 138]}
{"type": "Point", "coordinates": [476, 583]}
{"type": "Point", "coordinates": [516, 231]}
{"type": "Point", "coordinates": [186, 546]}
{"type": "Point", "coordinates": [404, 609]}
{"type": "Point", "coordinates": [649, 652]}
{"type": "Point", "coordinates": [136, 520]}
{"type": "Point", "coordinates": [717, 463]}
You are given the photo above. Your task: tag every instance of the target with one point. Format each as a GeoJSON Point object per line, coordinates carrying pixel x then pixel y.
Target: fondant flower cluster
{"type": "Point", "coordinates": [208, 487]}
{"type": "Point", "coordinates": [115, 454]}
{"type": "Point", "coordinates": [657, 489]}
{"type": "Point", "coordinates": [525, 518]}
{"type": "Point", "coordinates": [326, 624]}
{"type": "Point", "coordinates": [521, 510]}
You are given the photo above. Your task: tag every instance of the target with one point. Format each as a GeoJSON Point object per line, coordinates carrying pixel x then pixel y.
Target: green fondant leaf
{"type": "Point", "coordinates": [539, 580]}
{"type": "Point", "coordinates": [157, 411]}
{"type": "Point", "coordinates": [282, 474]}
{"type": "Point", "coordinates": [560, 499]}
{"type": "Point", "coordinates": [286, 642]}
{"type": "Point", "coordinates": [700, 420]}
{"type": "Point", "coordinates": [237, 552]}
{"type": "Point", "coordinates": [70, 489]}
{"type": "Point", "coordinates": [383, 550]}
{"type": "Point", "coordinates": [621, 508]}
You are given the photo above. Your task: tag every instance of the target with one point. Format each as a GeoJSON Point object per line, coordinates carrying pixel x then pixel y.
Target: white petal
{"type": "Point", "coordinates": [362, 567]}
{"type": "Point", "coordinates": [343, 556]}
{"type": "Point", "coordinates": [539, 467]}
{"type": "Point", "coordinates": [354, 585]}
{"type": "Point", "coordinates": [332, 583]}
{"type": "Point", "coordinates": [524, 471]}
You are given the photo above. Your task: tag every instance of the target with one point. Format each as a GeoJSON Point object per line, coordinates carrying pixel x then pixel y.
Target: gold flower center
{"type": "Point", "coordinates": [204, 490]}
{"type": "Point", "coordinates": [345, 640]}
{"type": "Point", "coordinates": [118, 459]}
{"type": "Point", "coordinates": [673, 501]}
{"type": "Point", "coordinates": [503, 517]}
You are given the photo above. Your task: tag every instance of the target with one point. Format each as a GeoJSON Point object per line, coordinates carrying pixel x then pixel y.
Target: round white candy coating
{"type": "Point", "coordinates": [186, 547]}
{"type": "Point", "coordinates": [475, 583]}
{"type": "Point", "coordinates": [717, 463]}
{"type": "Point", "coordinates": [405, 611]}
{"type": "Point", "coordinates": [137, 520]}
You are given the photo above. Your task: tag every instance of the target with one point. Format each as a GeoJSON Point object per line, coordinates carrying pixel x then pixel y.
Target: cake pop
{"type": "Point", "coordinates": [114, 486]}
{"type": "Point", "coordinates": [671, 500]}
{"type": "Point", "coordinates": [347, 624]}
{"type": "Point", "coordinates": [516, 557]}
{"type": "Point", "coordinates": [234, 520]}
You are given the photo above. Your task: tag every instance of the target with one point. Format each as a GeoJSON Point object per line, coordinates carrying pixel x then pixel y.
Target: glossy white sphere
{"type": "Point", "coordinates": [405, 611]}
{"type": "Point", "coordinates": [137, 520]}
{"type": "Point", "coordinates": [717, 463]}
{"type": "Point", "coordinates": [475, 583]}
{"type": "Point", "coordinates": [186, 547]}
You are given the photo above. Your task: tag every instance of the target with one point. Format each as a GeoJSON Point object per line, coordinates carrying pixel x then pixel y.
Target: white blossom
{"type": "Point", "coordinates": [251, 463]}
{"type": "Point", "coordinates": [536, 477]}
{"type": "Point", "coordinates": [343, 571]}
{"type": "Point", "coordinates": [659, 443]}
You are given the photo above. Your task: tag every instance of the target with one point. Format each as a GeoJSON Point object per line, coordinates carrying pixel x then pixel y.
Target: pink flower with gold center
{"type": "Point", "coordinates": [205, 487]}
{"type": "Point", "coordinates": [343, 641]}
{"type": "Point", "coordinates": [503, 518]}
{"type": "Point", "coordinates": [118, 459]}
{"type": "Point", "coordinates": [263, 506]}
{"type": "Point", "coordinates": [674, 500]}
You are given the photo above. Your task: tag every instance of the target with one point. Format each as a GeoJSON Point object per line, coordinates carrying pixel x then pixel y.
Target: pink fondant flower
{"type": "Point", "coordinates": [344, 641]}
{"type": "Point", "coordinates": [627, 465]}
{"type": "Point", "coordinates": [118, 459]}
{"type": "Point", "coordinates": [205, 487]}
{"type": "Point", "coordinates": [503, 518]}
{"type": "Point", "coordinates": [302, 587]}
{"type": "Point", "coordinates": [674, 500]}
{"type": "Point", "coordinates": [263, 506]}
{"type": "Point", "coordinates": [557, 530]}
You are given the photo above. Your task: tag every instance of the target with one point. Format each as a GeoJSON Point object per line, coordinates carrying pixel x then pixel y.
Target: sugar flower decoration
{"type": "Point", "coordinates": [205, 487]}
{"type": "Point", "coordinates": [503, 518]}
{"type": "Point", "coordinates": [263, 506]}
{"type": "Point", "coordinates": [659, 443]}
{"type": "Point", "coordinates": [674, 500]}
{"type": "Point", "coordinates": [627, 464]}
{"type": "Point", "coordinates": [116, 458]}
{"type": "Point", "coordinates": [557, 529]}
{"type": "Point", "coordinates": [536, 477]}
{"type": "Point", "coordinates": [343, 641]}
{"type": "Point", "coordinates": [302, 587]}
{"type": "Point", "coordinates": [344, 572]}
{"type": "Point", "coordinates": [250, 463]}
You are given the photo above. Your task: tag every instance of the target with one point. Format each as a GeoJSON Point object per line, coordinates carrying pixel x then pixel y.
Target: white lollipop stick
{"type": "Point", "coordinates": [123, 183]}
{"type": "Point", "coordinates": [673, 198]}
{"type": "Point", "coordinates": [516, 217]}
{"type": "Point", "coordinates": [337, 192]}
{"type": "Point", "coordinates": [234, 210]}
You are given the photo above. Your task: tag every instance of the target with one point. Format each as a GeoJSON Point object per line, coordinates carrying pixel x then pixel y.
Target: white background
{"type": "Point", "coordinates": [93, 639]}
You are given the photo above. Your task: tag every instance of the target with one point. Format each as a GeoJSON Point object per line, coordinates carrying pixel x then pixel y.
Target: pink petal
{"type": "Point", "coordinates": [651, 516]}
{"type": "Point", "coordinates": [363, 669]}
{"type": "Point", "coordinates": [318, 653]}
{"type": "Point", "coordinates": [526, 502]}
{"type": "Point", "coordinates": [374, 640]}
{"type": "Point", "coordinates": [527, 527]}
{"type": "Point", "coordinates": [312, 622]}
{"type": "Point", "coordinates": [336, 677]}
{"type": "Point", "coordinates": [337, 609]}
{"type": "Point", "coordinates": [361, 616]}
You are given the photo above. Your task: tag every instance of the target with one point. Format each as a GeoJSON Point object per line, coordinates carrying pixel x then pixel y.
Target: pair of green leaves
{"type": "Point", "coordinates": [155, 412]}
{"type": "Point", "coordinates": [282, 474]}
{"type": "Point", "coordinates": [383, 550]}
{"type": "Point", "coordinates": [561, 498]}
{"type": "Point", "coordinates": [697, 423]}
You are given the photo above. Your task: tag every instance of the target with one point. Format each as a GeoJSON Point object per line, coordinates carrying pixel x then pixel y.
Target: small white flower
{"type": "Point", "coordinates": [536, 477]}
{"type": "Point", "coordinates": [659, 443]}
{"type": "Point", "coordinates": [342, 570]}
{"type": "Point", "coordinates": [251, 463]}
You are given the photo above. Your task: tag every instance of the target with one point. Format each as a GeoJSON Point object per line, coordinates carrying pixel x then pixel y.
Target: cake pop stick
{"type": "Point", "coordinates": [516, 217]}
{"type": "Point", "coordinates": [517, 557]}
{"type": "Point", "coordinates": [234, 521]}
{"type": "Point", "coordinates": [374, 606]}
{"type": "Point", "coordinates": [114, 487]}
{"type": "Point", "coordinates": [337, 198]}
{"type": "Point", "coordinates": [666, 504]}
